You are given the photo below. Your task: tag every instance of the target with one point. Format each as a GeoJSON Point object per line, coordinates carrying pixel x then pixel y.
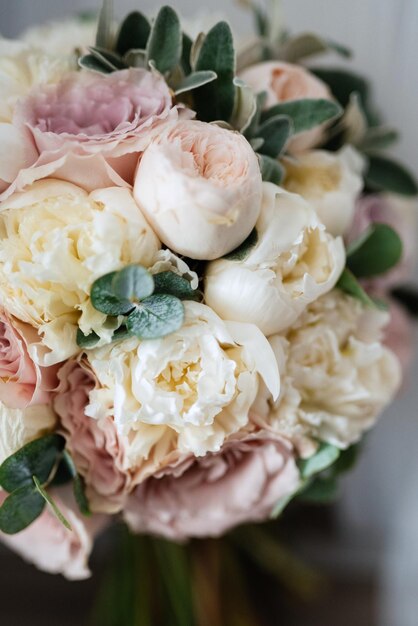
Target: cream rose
{"type": "Point", "coordinates": [293, 262]}
{"type": "Point", "coordinates": [185, 393]}
{"type": "Point", "coordinates": [21, 426]}
{"type": "Point", "coordinates": [285, 81]}
{"type": "Point", "coordinates": [337, 376]}
{"type": "Point", "coordinates": [331, 182]}
{"type": "Point", "coordinates": [199, 186]}
{"type": "Point", "coordinates": [55, 241]}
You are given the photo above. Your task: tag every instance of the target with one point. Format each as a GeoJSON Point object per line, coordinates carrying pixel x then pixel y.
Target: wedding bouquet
{"type": "Point", "coordinates": [198, 251]}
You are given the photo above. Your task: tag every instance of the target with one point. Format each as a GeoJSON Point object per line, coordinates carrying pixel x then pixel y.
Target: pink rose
{"type": "Point", "coordinates": [53, 548]}
{"type": "Point", "coordinates": [285, 81]}
{"type": "Point", "coordinates": [206, 496]}
{"type": "Point", "coordinates": [95, 445]}
{"type": "Point", "coordinates": [23, 383]}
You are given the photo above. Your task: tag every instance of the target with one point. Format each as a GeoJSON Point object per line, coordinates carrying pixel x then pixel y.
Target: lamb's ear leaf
{"type": "Point", "coordinates": [134, 33]}
{"type": "Point", "coordinates": [164, 47]}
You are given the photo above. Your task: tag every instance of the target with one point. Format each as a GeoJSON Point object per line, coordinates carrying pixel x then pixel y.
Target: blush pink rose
{"type": "Point", "coordinates": [23, 383]}
{"type": "Point", "coordinates": [96, 447]}
{"type": "Point", "coordinates": [207, 496]}
{"type": "Point", "coordinates": [285, 81]}
{"type": "Point", "coordinates": [53, 548]}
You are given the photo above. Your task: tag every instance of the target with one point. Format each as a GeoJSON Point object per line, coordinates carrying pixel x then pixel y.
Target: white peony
{"type": "Point", "coordinates": [55, 241]}
{"type": "Point", "coordinates": [21, 426]}
{"type": "Point", "coordinates": [293, 263]}
{"type": "Point", "coordinates": [331, 182]}
{"type": "Point", "coordinates": [185, 393]}
{"type": "Point", "coordinates": [62, 38]}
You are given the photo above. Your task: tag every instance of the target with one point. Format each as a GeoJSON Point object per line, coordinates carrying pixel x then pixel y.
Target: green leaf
{"type": "Point", "coordinates": [309, 44]}
{"type": "Point", "coordinates": [133, 33]}
{"type": "Point", "coordinates": [216, 100]}
{"type": "Point", "coordinates": [121, 334]}
{"type": "Point", "coordinates": [104, 27]}
{"type": "Point", "coordinates": [87, 341]}
{"type": "Point", "coordinates": [241, 253]}
{"type": "Point", "coordinates": [20, 509]}
{"type": "Point", "coordinates": [175, 285]}
{"type": "Point", "coordinates": [133, 283]}
{"type": "Point", "coordinates": [349, 284]}
{"type": "Point", "coordinates": [195, 80]}
{"type": "Point", "coordinates": [306, 113]}
{"type": "Point", "coordinates": [384, 174]}
{"type": "Point", "coordinates": [377, 250]}
{"type": "Point", "coordinates": [91, 63]}
{"type": "Point", "coordinates": [136, 58]}
{"type": "Point", "coordinates": [326, 455]}
{"type": "Point", "coordinates": [104, 299]}
{"type": "Point", "coordinates": [156, 316]}
{"type": "Point", "coordinates": [80, 495]}
{"type": "Point", "coordinates": [408, 297]}
{"type": "Point", "coordinates": [108, 59]}
{"type": "Point", "coordinates": [58, 514]}
{"type": "Point", "coordinates": [378, 138]}
{"type": "Point", "coordinates": [164, 46]}
{"type": "Point", "coordinates": [275, 132]}
{"type": "Point", "coordinates": [271, 170]}
{"type": "Point", "coordinates": [37, 457]}
{"type": "Point", "coordinates": [322, 490]}
{"type": "Point", "coordinates": [245, 107]}
{"type": "Point", "coordinates": [252, 128]}
{"type": "Point", "coordinates": [185, 55]}
{"type": "Point", "coordinates": [281, 505]}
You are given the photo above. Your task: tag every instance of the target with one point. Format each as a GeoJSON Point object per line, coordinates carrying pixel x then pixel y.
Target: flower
{"type": "Point", "coordinates": [184, 393]}
{"type": "Point", "coordinates": [55, 241]}
{"type": "Point", "coordinates": [95, 446]}
{"type": "Point", "coordinates": [331, 182]}
{"type": "Point", "coordinates": [338, 375]}
{"type": "Point", "coordinates": [293, 262]}
{"type": "Point", "coordinates": [23, 383]}
{"type": "Point", "coordinates": [62, 38]}
{"type": "Point", "coordinates": [50, 546]}
{"type": "Point", "coordinates": [399, 336]}
{"type": "Point", "coordinates": [199, 186]}
{"type": "Point", "coordinates": [283, 82]}
{"type": "Point", "coordinates": [208, 496]}
{"type": "Point", "coordinates": [21, 426]}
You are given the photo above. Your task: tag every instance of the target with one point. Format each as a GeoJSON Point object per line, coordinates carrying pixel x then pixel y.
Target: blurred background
{"type": "Point", "coordinates": [365, 546]}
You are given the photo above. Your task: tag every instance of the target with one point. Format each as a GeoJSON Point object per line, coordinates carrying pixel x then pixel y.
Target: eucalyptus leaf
{"type": "Point", "coordinates": [195, 80]}
{"type": "Point", "coordinates": [165, 42]}
{"type": "Point", "coordinates": [384, 174]}
{"type": "Point", "coordinates": [306, 113]}
{"type": "Point", "coordinates": [22, 507]}
{"type": "Point", "coordinates": [325, 456]}
{"type": "Point", "coordinates": [349, 284]}
{"type": "Point", "coordinates": [58, 514]}
{"type": "Point", "coordinates": [104, 299]}
{"type": "Point", "coordinates": [275, 132]}
{"type": "Point", "coordinates": [87, 341]}
{"type": "Point", "coordinates": [175, 285]}
{"type": "Point", "coordinates": [132, 283]}
{"type": "Point", "coordinates": [377, 251]}
{"type": "Point", "coordinates": [271, 170]}
{"type": "Point", "coordinates": [121, 333]}
{"type": "Point", "coordinates": [90, 62]}
{"type": "Point", "coordinates": [156, 316]}
{"type": "Point", "coordinates": [37, 457]}
{"type": "Point", "coordinates": [80, 495]}
{"type": "Point", "coordinates": [104, 27]}
{"type": "Point", "coordinates": [133, 33]}
{"type": "Point", "coordinates": [242, 252]}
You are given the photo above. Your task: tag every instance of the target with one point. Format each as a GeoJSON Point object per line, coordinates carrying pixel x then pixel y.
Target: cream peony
{"type": "Point", "coordinates": [199, 186]}
{"type": "Point", "coordinates": [185, 393]}
{"type": "Point", "coordinates": [20, 426]}
{"type": "Point", "coordinates": [62, 38]}
{"type": "Point", "coordinates": [336, 374]}
{"type": "Point", "coordinates": [55, 241]}
{"type": "Point", "coordinates": [331, 182]}
{"type": "Point", "coordinates": [293, 262]}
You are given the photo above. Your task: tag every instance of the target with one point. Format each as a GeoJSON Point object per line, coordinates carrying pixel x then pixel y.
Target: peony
{"type": "Point", "coordinates": [95, 446]}
{"type": "Point", "coordinates": [182, 394]}
{"type": "Point", "coordinates": [55, 241]}
{"type": "Point", "coordinates": [21, 426]}
{"type": "Point", "coordinates": [338, 375]}
{"type": "Point", "coordinates": [293, 262]}
{"type": "Point", "coordinates": [330, 182]}
{"type": "Point", "coordinates": [50, 546]}
{"type": "Point", "coordinates": [285, 81]}
{"type": "Point", "coordinates": [208, 496]}
{"type": "Point", "coordinates": [22, 382]}
{"type": "Point", "coordinates": [199, 186]}
{"type": "Point", "coordinates": [62, 38]}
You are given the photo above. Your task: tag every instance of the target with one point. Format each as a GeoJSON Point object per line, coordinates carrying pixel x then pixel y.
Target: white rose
{"type": "Point", "coordinates": [62, 38]}
{"type": "Point", "coordinates": [55, 241]}
{"type": "Point", "coordinates": [199, 186]}
{"type": "Point", "coordinates": [336, 376]}
{"type": "Point", "coordinates": [293, 262]}
{"type": "Point", "coordinates": [185, 393]}
{"type": "Point", "coordinates": [21, 426]}
{"type": "Point", "coordinates": [331, 182]}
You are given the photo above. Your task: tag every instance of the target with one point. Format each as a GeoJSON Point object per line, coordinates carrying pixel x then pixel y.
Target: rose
{"type": "Point", "coordinates": [283, 82]}
{"type": "Point", "coordinates": [199, 186]}
{"type": "Point", "coordinates": [55, 241]}
{"type": "Point", "coordinates": [338, 375]}
{"type": "Point", "coordinates": [95, 446]}
{"type": "Point", "coordinates": [293, 262]}
{"type": "Point", "coordinates": [330, 182]}
{"type": "Point", "coordinates": [50, 546]}
{"type": "Point", "coordinates": [21, 426]}
{"type": "Point", "coordinates": [22, 382]}
{"type": "Point", "coordinates": [185, 393]}
{"type": "Point", "coordinates": [208, 496]}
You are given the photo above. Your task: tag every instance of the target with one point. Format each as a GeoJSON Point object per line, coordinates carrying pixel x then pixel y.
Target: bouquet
{"type": "Point", "coordinates": [201, 265]}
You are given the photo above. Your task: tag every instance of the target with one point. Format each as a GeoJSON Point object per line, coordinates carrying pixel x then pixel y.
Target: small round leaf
{"type": "Point", "coordinates": [156, 316]}
{"type": "Point", "coordinates": [105, 300]}
{"type": "Point", "coordinates": [133, 283]}
{"type": "Point", "coordinates": [20, 509]}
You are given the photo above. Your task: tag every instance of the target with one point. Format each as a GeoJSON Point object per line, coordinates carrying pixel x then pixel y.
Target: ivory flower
{"type": "Point", "coordinates": [185, 393]}
{"type": "Point", "coordinates": [62, 38]}
{"type": "Point", "coordinates": [199, 186]}
{"type": "Point", "coordinates": [331, 182]}
{"type": "Point", "coordinates": [55, 241]}
{"type": "Point", "coordinates": [293, 262]}
{"type": "Point", "coordinates": [20, 426]}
